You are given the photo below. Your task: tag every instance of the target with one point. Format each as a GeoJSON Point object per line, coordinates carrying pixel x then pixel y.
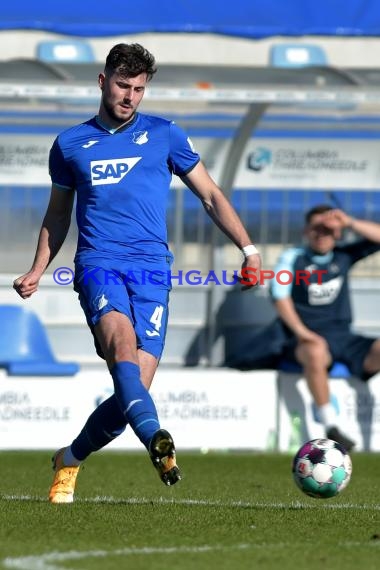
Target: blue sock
{"type": "Point", "coordinates": [135, 401]}
{"type": "Point", "coordinates": [104, 424]}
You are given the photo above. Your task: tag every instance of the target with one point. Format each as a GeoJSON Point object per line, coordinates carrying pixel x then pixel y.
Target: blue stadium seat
{"type": "Point", "coordinates": [68, 51]}
{"type": "Point", "coordinates": [24, 346]}
{"type": "Point", "coordinates": [338, 369]}
{"type": "Point", "coordinates": [293, 55]}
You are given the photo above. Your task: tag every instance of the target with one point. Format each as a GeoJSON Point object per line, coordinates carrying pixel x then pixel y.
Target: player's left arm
{"type": "Point", "coordinates": [366, 229]}
{"type": "Point", "coordinates": [220, 211]}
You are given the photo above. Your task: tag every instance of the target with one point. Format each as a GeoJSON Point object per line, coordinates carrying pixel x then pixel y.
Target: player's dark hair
{"type": "Point", "coordinates": [129, 60]}
{"type": "Point", "coordinates": [320, 209]}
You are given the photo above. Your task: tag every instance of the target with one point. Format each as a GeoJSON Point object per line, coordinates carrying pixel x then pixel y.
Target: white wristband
{"type": "Point", "coordinates": [249, 250]}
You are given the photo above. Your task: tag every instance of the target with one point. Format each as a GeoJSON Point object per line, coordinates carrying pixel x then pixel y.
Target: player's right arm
{"type": "Point", "coordinates": [53, 232]}
{"type": "Point", "coordinates": [281, 294]}
{"type": "Point", "coordinates": [289, 316]}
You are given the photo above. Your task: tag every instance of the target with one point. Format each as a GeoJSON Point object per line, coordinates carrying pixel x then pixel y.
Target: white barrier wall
{"type": "Point", "coordinates": [203, 408]}
{"type": "Point", "coordinates": [357, 404]}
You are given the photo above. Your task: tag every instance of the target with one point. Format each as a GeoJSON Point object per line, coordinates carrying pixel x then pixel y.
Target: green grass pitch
{"type": "Point", "coordinates": [231, 511]}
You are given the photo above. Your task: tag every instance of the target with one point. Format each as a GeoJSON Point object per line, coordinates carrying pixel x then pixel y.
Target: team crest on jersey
{"type": "Point", "coordinates": [111, 171]}
{"type": "Point", "coordinates": [334, 268]}
{"type": "Point", "coordinates": [101, 302]}
{"type": "Point", "coordinates": [141, 137]}
{"type": "Point", "coordinates": [311, 267]}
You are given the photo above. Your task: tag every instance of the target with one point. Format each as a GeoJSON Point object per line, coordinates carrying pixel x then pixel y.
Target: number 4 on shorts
{"type": "Point", "coordinates": [156, 318]}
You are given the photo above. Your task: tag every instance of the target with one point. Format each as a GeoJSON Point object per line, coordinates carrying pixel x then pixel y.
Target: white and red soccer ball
{"type": "Point", "coordinates": [322, 468]}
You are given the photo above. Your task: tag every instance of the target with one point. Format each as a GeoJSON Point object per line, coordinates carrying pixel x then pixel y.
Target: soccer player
{"type": "Point", "coordinates": [315, 310]}
{"type": "Point", "coordinates": [120, 164]}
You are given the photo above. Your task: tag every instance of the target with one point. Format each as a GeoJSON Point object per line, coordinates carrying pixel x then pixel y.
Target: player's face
{"type": "Point", "coordinates": [320, 237]}
{"type": "Point", "coordinates": [121, 97]}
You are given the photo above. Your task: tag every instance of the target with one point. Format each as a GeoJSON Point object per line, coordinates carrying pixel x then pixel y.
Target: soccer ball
{"type": "Point", "coordinates": [322, 468]}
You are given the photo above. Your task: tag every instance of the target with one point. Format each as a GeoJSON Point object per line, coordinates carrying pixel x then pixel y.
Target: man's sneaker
{"type": "Point", "coordinates": [336, 435]}
{"type": "Point", "coordinates": [63, 486]}
{"type": "Point", "coordinates": [162, 454]}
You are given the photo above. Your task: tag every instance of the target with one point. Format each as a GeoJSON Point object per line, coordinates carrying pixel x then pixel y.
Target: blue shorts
{"type": "Point", "coordinates": [344, 346]}
{"type": "Point", "coordinates": [138, 289]}
{"type": "Point", "coordinates": [275, 342]}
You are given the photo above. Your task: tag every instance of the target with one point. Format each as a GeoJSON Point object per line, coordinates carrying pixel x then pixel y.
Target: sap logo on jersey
{"type": "Point", "coordinates": [111, 171]}
{"type": "Point", "coordinates": [325, 293]}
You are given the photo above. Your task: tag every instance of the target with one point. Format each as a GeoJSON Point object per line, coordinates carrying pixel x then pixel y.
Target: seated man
{"type": "Point", "coordinates": [315, 311]}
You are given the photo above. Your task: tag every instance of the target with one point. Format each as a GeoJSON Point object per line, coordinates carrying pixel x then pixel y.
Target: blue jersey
{"type": "Point", "coordinates": [122, 180]}
{"type": "Point", "coordinates": [319, 288]}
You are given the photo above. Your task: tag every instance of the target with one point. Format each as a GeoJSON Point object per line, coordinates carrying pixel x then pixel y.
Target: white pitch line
{"type": "Point", "coordinates": [48, 561]}
{"type": "Point", "coordinates": [202, 502]}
